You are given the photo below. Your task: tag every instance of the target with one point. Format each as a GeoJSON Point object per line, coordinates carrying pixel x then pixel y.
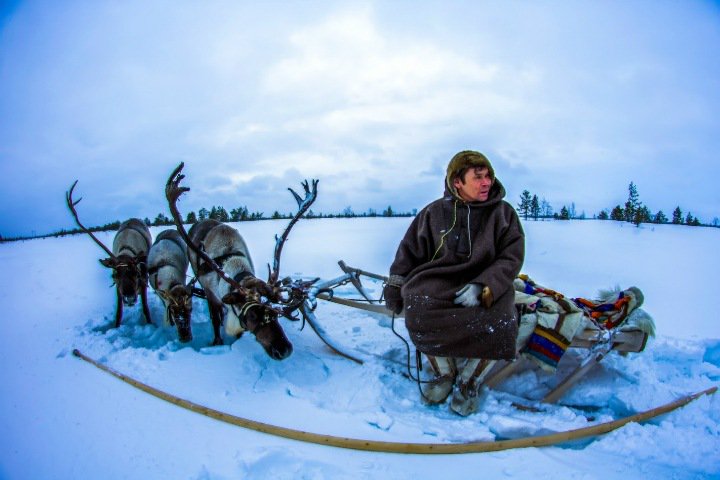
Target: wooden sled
{"type": "Point", "coordinates": [598, 341]}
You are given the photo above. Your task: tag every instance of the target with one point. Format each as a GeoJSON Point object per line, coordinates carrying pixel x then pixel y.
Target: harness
{"type": "Point", "coordinates": [132, 250]}
{"type": "Point", "coordinates": [204, 268]}
{"type": "Point", "coordinates": [140, 268]}
{"type": "Point", "coordinates": [266, 317]}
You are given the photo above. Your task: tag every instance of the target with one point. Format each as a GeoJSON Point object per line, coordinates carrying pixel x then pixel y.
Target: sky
{"type": "Point", "coordinates": [569, 100]}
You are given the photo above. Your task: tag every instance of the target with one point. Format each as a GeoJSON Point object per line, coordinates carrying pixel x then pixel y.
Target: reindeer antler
{"type": "Point", "coordinates": [71, 205]}
{"type": "Point", "coordinates": [173, 191]}
{"type": "Point", "coordinates": [303, 205]}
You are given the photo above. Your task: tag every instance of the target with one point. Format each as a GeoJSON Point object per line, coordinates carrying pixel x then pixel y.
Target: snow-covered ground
{"type": "Point", "coordinates": [61, 418]}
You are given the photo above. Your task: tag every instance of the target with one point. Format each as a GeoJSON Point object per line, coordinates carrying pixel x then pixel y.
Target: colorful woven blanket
{"type": "Point", "coordinates": [549, 320]}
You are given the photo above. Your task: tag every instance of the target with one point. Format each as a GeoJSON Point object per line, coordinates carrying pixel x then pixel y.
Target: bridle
{"type": "Point", "coordinates": [170, 304]}
{"type": "Point", "coordinates": [267, 317]}
{"type": "Point", "coordinates": [139, 268]}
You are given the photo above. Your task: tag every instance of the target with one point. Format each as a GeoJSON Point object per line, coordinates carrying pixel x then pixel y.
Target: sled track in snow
{"type": "Point", "coordinates": [401, 447]}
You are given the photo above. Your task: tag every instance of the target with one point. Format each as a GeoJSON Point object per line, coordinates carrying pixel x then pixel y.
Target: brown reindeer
{"type": "Point", "coordinates": [128, 259]}
{"type": "Point", "coordinates": [236, 298]}
{"type": "Point", "coordinates": [167, 269]}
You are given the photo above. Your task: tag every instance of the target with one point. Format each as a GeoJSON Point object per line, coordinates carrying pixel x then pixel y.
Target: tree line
{"type": "Point", "coordinates": [633, 211]}
{"type": "Point", "coordinates": [239, 214]}
{"type": "Point", "coordinates": [242, 214]}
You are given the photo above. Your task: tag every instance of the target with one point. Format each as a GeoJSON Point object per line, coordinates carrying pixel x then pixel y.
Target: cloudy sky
{"type": "Point", "coordinates": [570, 100]}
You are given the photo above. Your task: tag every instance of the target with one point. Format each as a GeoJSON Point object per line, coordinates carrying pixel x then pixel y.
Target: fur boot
{"type": "Point", "coordinates": [438, 389]}
{"type": "Point", "coordinates": [465, 394]}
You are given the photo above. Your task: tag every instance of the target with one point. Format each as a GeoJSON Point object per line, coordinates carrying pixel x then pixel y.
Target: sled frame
{"type": "Point", "coordinates": [598, 341]}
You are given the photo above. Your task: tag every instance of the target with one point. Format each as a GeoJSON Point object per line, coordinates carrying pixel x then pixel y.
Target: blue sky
{"type": "Point", "coordinates": [570, 100]}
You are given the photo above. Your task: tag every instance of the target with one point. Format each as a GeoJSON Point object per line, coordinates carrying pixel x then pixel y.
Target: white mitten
{"type": "Point", "coordinates": [469, 295]}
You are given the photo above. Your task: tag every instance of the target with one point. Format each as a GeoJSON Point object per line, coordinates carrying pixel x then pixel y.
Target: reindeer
{"type": "Point", "coordinates": [236, 298]}
{"type": "Point", "coordinates": [128, 259]}
{"type": "Point", "coordinates": [167, 268]}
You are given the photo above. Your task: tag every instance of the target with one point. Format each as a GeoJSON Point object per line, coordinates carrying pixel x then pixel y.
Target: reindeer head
{"type": "Point", "coordinates": [128, 274]}
{"type": "Point", "coordinates": [178, 309]}
{"type": "Point", "coordinates": [260, 319]}
{"type": "Point", "coordinates": [257, 304]}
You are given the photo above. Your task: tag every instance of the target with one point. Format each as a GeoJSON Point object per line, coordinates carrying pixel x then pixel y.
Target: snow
{"type": "Point", "coordinates": [63, 418]}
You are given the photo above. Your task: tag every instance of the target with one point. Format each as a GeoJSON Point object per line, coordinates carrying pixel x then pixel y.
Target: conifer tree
{"type": "Point", "coordinates": [524, 205]}
{"type": "Point", "coordinates": [161, 219]}
{"type": "Point", "coordinates": [222, 214]}
{"type": "Point", "coordinates": [564, 213]}
{"type": "Point", "coordinates": [617, 213]}
{"type": "Point", "coordinates": [660, 217]}
{"type": "Point", "coordinates": [239, 214]}
{"type": "Point", "coordinates": [535, 207]}
{"type": "Point", "coordinates": [642, 215]}
{"type": "Point", "coordinates": [677, 216]}
{"type": "Point", "coordinates": [632, 204]}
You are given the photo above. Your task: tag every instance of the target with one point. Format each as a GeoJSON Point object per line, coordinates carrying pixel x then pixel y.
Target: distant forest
{"type": "Point", "coordinates": [530, 207]}
{"type": "Point", "coordinates": [633, 211]}
{"type": "Point", "coordinates": [240, 214]}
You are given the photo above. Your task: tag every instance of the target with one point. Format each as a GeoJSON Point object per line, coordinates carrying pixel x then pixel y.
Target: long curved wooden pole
{"type": "Point", "coordinates": [401, 447]}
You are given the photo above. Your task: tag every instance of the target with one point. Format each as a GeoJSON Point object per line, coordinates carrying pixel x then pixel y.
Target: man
{"type": "Point", "coordinates": [453, 274]}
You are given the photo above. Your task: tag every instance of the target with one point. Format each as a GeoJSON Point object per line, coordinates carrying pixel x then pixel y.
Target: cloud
{"type": "Point", "coordinates": [572, 102]}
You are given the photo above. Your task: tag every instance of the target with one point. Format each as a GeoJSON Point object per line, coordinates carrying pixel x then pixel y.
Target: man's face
{"type": "Point", "coordinates": [475, 185]}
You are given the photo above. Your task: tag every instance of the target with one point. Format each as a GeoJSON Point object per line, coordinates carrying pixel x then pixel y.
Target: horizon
{"type": "Point", "coordinates": [113, 225]}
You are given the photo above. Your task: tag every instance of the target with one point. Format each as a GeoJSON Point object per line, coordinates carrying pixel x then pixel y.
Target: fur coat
{"type": "Point", "coordinates": [451, 243]}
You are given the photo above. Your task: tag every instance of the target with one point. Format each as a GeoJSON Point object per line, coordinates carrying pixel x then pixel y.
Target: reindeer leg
{"type": "Point", "coordinates": [119, 308]}
{"type": "Point", "coordinates": [217, 319]}
{"type": "Point", "coordinates": [146, 309]}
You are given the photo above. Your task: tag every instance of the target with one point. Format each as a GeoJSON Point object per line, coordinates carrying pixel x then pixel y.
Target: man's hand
{"type": "Point", "coordinates": [393, 298]}
{"type": "Point", "coordinates": [473, 294]}
{"type": "Point", "coordinates": [469, 295]}
{"type": "Point", "coordinates": [487, 297]}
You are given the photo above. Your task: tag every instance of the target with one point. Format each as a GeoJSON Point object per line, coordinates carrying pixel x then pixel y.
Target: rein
{"type": "Point", "coordinates": [418, 361]}
{"type": "Point", "coordinates": [205, 268]}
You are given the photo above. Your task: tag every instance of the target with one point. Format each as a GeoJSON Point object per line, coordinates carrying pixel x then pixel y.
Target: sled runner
{"type": "Point", "coordinates": [550, 323]}
{"type": "Point", "coordinates": [399, 447]}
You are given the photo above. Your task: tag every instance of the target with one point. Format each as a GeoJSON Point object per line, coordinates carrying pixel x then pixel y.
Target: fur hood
{"type": "Point", "coordinates": [462, 161]}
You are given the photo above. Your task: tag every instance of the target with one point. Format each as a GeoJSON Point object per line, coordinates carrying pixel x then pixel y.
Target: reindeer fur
{"type": "Point", "coordinates": [130, 246]}
{"type": "Point", "coordinates": [167, 267]}
{"type": "Point", "coordinates": [226, 246]}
